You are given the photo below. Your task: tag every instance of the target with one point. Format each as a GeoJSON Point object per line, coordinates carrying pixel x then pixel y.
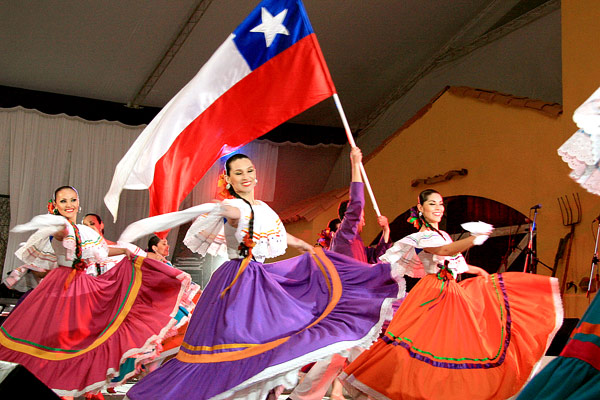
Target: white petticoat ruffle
{"type": "Point", "coordinates": [587, 117]}
{"type": "Point", "coordinates": [578, 153]}
{"type": "Point", "coordinates": [582, 150]}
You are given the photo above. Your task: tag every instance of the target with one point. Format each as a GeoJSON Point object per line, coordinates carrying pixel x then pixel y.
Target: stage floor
{"type": "Point", "coordinates": [122, 390]}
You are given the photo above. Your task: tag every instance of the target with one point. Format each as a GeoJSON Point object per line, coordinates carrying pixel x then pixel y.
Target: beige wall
{"type": "Point", "coordinates": [580, 52]}
{"type": "Point", "coordinates": [510, 154]}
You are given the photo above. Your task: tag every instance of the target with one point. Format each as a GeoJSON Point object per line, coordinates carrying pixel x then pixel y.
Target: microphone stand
{"type": "Point", "coordinates": [530, 257]}
{"type": "Point", "coordinates": [594, 262]}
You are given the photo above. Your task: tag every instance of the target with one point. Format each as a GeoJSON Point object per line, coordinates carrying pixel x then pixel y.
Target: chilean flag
{"type": "Point", "coordinates": [268, 70]}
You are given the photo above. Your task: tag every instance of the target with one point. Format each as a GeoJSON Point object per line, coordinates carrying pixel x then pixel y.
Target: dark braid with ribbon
{"type": "Point", "coordinates": [78, 264]}
{"type": "Point", "coordinates": [247, 243]}
{"type": "Point", "coordinates": [245, 247]}
{"type": "Point", "coordinates": [77, 261]}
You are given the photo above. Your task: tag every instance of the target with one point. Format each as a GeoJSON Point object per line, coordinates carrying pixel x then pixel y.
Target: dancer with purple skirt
{"type": "Point", "coordinates": [257, 324]}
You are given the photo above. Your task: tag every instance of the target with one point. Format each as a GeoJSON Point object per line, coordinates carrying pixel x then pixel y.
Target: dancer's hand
{"type": "Point", "coordinates": [385, 226]}
{"type": "Point", "coordinates": [383, 222]}
{"type": "Point", "coordinates": [60, 235]}
{"type": "Point", "coordinates": [478, 228]}
{"type": "Point", "coordinates": [156, 257]}
{"type": "Point", "coordinates": [299, 244]}
{"type": "Point", "coordinates": [355, 155]}
{"type": "Point", "coordinates": [304, 247]}
{"type": "Point", "coordinates": [117, 251]}
{"type": "Point", "coordinates": [229, 212]}
{"type": "Point", "coordinates": [478, 271]}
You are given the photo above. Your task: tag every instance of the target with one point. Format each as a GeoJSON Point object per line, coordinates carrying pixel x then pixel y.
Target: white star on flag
{"type": "Point", "coordinates": [271, 25]}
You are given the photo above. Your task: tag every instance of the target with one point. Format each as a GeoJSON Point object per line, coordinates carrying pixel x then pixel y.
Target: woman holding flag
{"type": "Point", "coordinates": [257, 324]}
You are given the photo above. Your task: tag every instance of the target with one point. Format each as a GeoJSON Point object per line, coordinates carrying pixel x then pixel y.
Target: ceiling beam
{"type": "Point", "coordinates": [467, 40]}
{"type": "Point", "coordinates": [162, 65]}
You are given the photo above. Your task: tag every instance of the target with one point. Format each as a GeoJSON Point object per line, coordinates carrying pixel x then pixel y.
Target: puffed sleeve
{"type": "Point", "coordinates": [403, 256]}
{"type": "Point", "coordinates": [206, 234]}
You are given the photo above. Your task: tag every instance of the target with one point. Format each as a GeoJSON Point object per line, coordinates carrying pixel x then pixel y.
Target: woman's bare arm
{"type": "Point", "coordinates": [477, 271]}
{"type": "Point", "coordinates": [453, 248]}
{"type": "Point", "coordinates": [299, 244]}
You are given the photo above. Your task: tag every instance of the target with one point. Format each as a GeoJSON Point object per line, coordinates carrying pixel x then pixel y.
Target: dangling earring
{"type": "Point", "coordinates": [228, 186]}
{"type": "Point", "coordinates": [420, 214]}
{"type": "Point", "coordinates": [255, 180]}
{"type": "Point", "coordinates": [79, 208]}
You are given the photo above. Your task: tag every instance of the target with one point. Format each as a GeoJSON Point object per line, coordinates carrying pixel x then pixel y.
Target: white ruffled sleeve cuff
{"type": "Point", "coordinates": [403, 257]}
{"type": "Point", "coordinates": [206, 235]}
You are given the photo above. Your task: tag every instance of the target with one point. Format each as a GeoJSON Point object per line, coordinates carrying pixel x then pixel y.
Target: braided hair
{"type": "Point", "coordinates": [245, 245]}
{"type": "Point", "coordinates": [78, 263]}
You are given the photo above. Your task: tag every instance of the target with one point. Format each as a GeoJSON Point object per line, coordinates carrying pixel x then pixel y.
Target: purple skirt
{"type": "Point", "coordinates": [273, 320]}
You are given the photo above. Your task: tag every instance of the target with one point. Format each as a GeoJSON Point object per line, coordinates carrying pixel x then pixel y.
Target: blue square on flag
{"type": "Point", "coordinates": [272, 27]}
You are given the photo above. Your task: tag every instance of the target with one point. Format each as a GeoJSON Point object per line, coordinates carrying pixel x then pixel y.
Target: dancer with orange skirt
{"type": "Point", "coordinates": [477, 339]}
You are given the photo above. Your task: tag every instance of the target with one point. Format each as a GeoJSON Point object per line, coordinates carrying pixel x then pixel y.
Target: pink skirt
{"type": "Point", "coordinates": [75, 339]}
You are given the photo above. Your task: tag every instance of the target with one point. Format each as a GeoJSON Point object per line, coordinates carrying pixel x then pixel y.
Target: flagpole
{"type": "Point", "coordinates": [338, 104]}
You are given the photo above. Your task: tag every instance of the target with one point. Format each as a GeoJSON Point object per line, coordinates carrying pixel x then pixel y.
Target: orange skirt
{"type": "Point", "coordinates": [477, 339]}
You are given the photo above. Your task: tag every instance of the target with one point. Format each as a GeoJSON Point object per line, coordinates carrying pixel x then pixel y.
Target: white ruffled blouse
{"type": "Point", "coordinates": [109, 262]}
{"type": "Point", "coordinates": [45, 254]}
{"type": "Point", "coordinates": [211, 234]}
{"type": "Point", "coordinates": [408, 255]}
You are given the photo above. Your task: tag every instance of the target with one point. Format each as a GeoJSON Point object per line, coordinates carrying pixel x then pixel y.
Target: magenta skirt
{"type": "Point", "coordinates": [76, 338]}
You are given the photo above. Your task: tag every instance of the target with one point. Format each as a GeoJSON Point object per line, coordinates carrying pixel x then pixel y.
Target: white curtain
{"type": "Point", "coordinates": [48, 151]}
{"type": "Point", "coordinates": [4, 160]}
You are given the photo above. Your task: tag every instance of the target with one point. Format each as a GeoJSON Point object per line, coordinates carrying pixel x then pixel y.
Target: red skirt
{"type": "Point", "coordinates": [75, 339]}
{"type": "Point", "coordinates": [477, 339]}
